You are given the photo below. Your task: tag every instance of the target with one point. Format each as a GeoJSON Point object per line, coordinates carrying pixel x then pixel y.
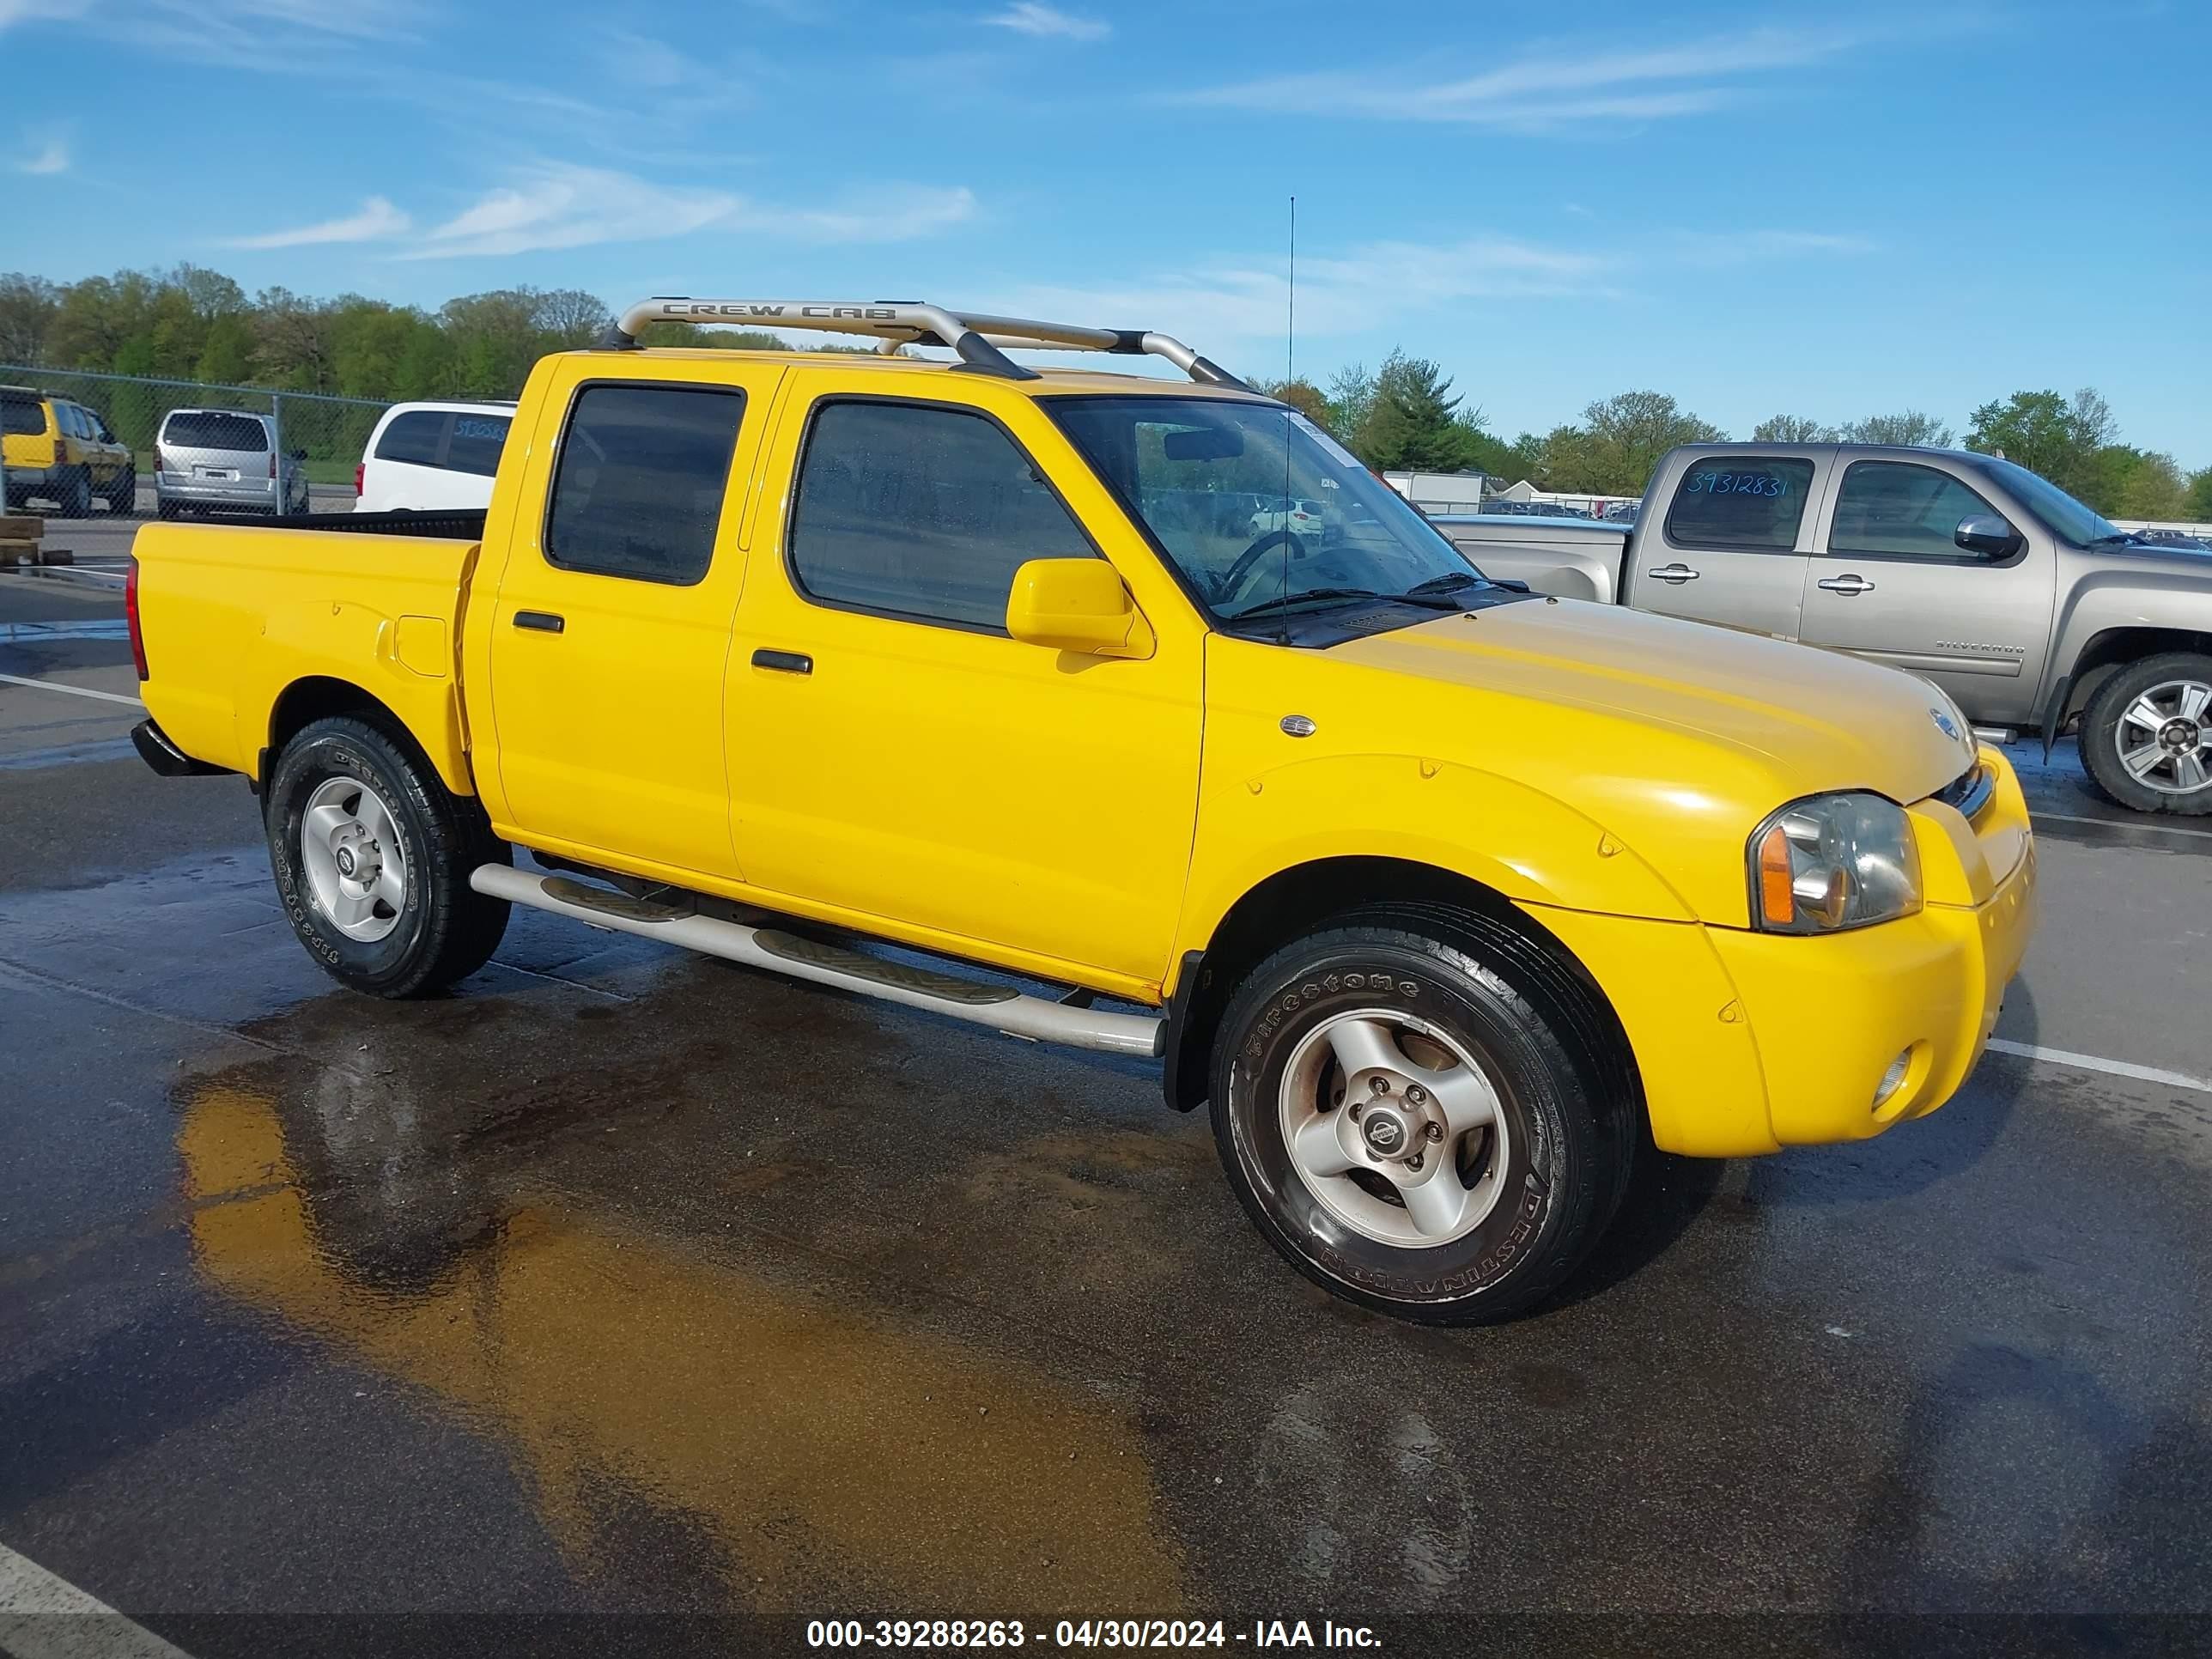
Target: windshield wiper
{"type": "Point", "coordinates": [2119, 539]}
{"type": "Point", "coordinates": [1450, 582]}
{"type": "Point", "coordinates": [1282, 601]}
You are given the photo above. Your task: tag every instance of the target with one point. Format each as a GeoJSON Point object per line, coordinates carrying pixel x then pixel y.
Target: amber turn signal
{"type": "Point", "coordinates": [1778, 902]}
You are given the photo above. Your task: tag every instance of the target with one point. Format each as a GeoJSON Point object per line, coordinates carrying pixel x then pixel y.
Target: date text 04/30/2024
{"type": "Point", "coordinates": [925, 1634]}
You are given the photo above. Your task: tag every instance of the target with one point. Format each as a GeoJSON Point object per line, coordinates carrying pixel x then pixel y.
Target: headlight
{"type": "Point", "coordinates": [1833, 861]}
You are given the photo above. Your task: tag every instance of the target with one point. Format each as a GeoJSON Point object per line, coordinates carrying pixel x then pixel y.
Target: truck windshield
{"type": "Point", "coordinates": [1259, 507]}
{"type": "Point", "coordinates": [2062, 516]}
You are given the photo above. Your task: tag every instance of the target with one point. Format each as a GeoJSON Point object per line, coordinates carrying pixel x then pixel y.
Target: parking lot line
{"type": "Point", "coordinates": [43, 1617]}
{"type": "Point", "coordinates": [2119, 823]}
{"type": "Point", "coordinates": [2095, 1063]}
{"type": "Point", "coordinates": [73, 691]}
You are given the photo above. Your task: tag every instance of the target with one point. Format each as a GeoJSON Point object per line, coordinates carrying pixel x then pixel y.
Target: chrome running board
{"type": "Point", "coordinates": [977, 1001]}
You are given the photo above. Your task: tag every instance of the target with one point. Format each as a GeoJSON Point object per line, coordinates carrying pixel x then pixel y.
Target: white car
{"type": "Point", "coordinates": [432, 458]}
{"type": "Point", "coordinates": [1307, 521]}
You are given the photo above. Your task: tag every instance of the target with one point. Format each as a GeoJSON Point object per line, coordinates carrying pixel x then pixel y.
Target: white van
{"type": "Point", "coordinates": [432, 458]}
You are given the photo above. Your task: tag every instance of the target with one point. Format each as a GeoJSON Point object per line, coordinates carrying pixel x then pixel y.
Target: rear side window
{"type": "Point", "coordinates": [71, 419]}
{"type": "Point", "coordinates": [638, 489]}
{"type": "Point", "coordinates": [212, 428]}
{"type": "Point", "coordinates": [1899, 510]}
{"type": "Point", "coordinates": [414, 437]}
{"type": "Point", "coordinates": [922, 513]}
{"type": "Point", "coordinates": [1750, 501]}
{"type": "Point", "coordinates": [23, 417]}
{"type": "Point", "coordinates": [478, 439]}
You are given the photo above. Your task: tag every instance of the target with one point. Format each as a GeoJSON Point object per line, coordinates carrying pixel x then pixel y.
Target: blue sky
{"type": "Point", "coordinates": [1829, 211]}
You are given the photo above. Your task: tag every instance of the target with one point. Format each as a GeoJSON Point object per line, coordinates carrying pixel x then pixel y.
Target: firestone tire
{"type": "Point", "coordinates": [1555, 1162]}
{"type": "Point", "coordinates": [441, 930]}
{"type": "Point", "coordinates": [2109, 730]}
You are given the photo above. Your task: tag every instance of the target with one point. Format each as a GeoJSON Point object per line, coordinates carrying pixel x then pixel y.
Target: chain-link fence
{"type": "Point", "coordinates": [125, 446]}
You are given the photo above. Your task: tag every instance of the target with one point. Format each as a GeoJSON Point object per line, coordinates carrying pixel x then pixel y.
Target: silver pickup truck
{"type": "Point", "coordinates": [2034, 613]}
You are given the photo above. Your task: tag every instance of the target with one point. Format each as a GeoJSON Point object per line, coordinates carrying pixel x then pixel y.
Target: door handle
{"type": "Point", "coordinates": [1848, 584]}
{"type": "Point", "coordinates": [1678, 573]}
{"type": "Point", "coordinates": [545, 622]}
{"type": "Point", "coordinates": [784, 662]}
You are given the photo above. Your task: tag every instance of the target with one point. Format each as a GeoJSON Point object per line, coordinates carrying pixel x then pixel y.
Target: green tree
{"type": "Point", "coordinates": [1793, 429]}
{"type": "Point", "coordinates": [1614, 451]}
{"type": "Point", "coordinates": [1910, 429]}
{"type": "Point", "coordinates": [2147, 486]}
{"type": "Point", "coordinates": [29, 305]}
{"type": "Point", "coordinates": [1413, 423]}
{"type": "Point", "coordinates": [2196, 505]}
{"type": "Point", "coordinates": [1351, 398]}
{"type": "Point", "coordinates": [2058, 438]}
{"type": "Point", "coordinates": [1302, 395]}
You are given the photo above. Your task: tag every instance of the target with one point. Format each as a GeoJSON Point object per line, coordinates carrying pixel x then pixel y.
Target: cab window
{"type": "Point", "coordinates": [638, 489]}
{"type": "Point", "coordinates": [921, 512]}
{"type": "Point", "coordinates": [414, 437]}
{"type": "Point", "coordinates": [1899, 510]}
{"type": "Point", "coordinates": [1754, 502]}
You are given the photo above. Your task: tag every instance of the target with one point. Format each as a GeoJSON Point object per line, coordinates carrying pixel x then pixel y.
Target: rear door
{"type": "Point", "coordinates": [1892, 583]}
{"type": "Point", "coordinates": [611, 624]}
{"type": "Point", "coordinates": [1729, 544]}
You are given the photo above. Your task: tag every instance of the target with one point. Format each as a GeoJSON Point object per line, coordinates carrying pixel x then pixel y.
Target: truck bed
{"type": "Point", "coordinates": [1575, 558]}
{"type": "Point", "coordinates": [232, 615]}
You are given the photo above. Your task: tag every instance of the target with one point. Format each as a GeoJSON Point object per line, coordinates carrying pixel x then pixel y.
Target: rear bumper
{"type": "Point", "coordinates": [259, 492]}
{"type": "Point", "coordinates": [155, 749]}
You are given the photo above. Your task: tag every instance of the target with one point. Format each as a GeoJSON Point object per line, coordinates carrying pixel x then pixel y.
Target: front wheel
{"type": "Point", "coordinates": [2146, 736]}
{"type": "Point", "coordinates": [1424, 1114]}
{"type": "Point", "coordinates": [372, 855]}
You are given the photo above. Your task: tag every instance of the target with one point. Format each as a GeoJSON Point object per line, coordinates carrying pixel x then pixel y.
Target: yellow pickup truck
{"type": "Point", "coordinates": [1044, 700]}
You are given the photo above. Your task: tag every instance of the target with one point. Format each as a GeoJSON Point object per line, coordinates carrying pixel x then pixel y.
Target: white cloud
{"type": "Point", "coordinates": [561, 205]}
{"type": "Point", "coordinates": [377, 220]}
{"type": "Point", "coordinates": [1550, 87]}
{"type": "Point", "coordinates": [13, 12]}
{"type": "Point", "coordinates": [1027, 17]}
{"type": "Point", "coordinates": [1472, 286]}
{"type": "Point", "coordinates": [52, 157]}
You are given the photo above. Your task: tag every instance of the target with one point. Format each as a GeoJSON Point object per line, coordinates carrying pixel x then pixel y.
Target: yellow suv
{"type": "Point", "coordinates": [1018, 697]}
{"type": "Point", "coordinates": [63, 452]}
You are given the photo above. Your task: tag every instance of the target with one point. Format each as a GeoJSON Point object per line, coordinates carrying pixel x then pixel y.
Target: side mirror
{"type": "Point", "coordinates": [1076, 604]}
{"type": "Point", "coordinates": [300, 454]}
{"type": "Point", "coordinates": [1987, 535]}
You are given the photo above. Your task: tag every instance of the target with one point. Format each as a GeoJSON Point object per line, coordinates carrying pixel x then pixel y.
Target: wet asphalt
{"type": "Point", "coordinates": [623, 1283]}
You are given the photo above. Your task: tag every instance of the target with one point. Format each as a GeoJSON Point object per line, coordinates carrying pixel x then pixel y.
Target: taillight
{"type": "Point", "coordinates": [272, 463]}
{"type": "Point", "coordinates": [130, 611]}
{"type": "Point", "coordinates": [360, 468]}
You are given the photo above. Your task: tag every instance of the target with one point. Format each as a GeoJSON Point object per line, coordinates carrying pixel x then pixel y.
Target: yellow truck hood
{"type": "Point", "coordinates": [1817, 720]}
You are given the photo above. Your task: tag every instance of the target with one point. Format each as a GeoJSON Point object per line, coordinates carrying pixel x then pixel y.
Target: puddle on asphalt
{"type": "Point", "coordinates": [797, 1446]}
{"type": "Point", "coordinates": [19, 633]}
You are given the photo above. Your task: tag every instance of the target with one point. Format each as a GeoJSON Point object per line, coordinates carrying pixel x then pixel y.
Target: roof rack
{"type": "Point", "coordinates": [980, 340]}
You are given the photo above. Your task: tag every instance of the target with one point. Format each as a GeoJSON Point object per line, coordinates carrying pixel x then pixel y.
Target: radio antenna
{"type": "Point", "coordinates": [1290, 371]}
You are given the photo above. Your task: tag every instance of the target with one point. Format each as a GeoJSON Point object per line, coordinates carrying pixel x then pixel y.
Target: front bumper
{"type": "Point", "coordinates": [1748, 1042]}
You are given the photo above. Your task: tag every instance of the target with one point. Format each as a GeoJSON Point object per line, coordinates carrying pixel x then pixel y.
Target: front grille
{"type": "Point", "coordinates": [1970, 791]}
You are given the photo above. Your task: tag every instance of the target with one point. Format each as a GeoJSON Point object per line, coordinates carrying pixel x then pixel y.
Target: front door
{"type": "Point", "coordinates": [1893, 584]}
{"type": "Point", "coordinates": [611, 634]}
{"type": "Point", "coordinates": [896, 755]}
{"type": "Point", "coordinates": [1728, 547]}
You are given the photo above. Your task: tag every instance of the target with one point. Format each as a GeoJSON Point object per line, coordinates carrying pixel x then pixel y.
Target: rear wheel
{"type": "Point", "coordinates": [2147, 735]}
{"type": "Point", "coordinates": [73, 497]}
{"type": "Point", "coordinates": [372, 855]}
{"type": "Point", "coordinates": [1425, 1113]}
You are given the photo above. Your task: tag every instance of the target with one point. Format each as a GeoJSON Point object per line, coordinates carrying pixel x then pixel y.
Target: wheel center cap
{"type": "Point", "coordinates": [345, 861]}
{"type": "Point", "coordinates": [2180, 736]}
{"type": "Point", "coordinates": [1386, 1132]}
